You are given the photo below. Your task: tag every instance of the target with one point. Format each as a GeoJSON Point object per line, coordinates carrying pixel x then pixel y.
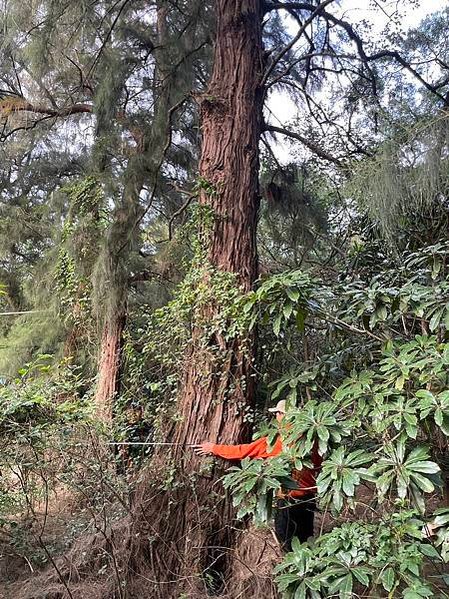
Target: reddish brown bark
{"type": "Point", "coordinates": [109, 368]}
{"type": "Point", "coordinates": [193, 528]}
{"type": "Point", "coordinates": [231, 112]}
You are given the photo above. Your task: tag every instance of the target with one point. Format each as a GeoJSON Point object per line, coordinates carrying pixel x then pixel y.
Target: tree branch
{"type": "Point", "coordinates": [191, 195]}
{"type": "Point", "coordinates": [382, 54]}
{"type": "Point", "coordinates": [312, 147]}
{"type": "Point", "coordinates": [316, 11]}
{"type": "Point", "coordinates": [269, 6]}
{"type": "Point", "coordinates": [63, 112]}
{"type": "Point", "coordinates": [353, 35]}
{"type": "Point", "coordinates": [22, 105]}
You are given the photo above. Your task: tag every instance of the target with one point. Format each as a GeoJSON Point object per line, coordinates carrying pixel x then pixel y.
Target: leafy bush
{"type": "Point", "coordinates": [356, 558]}
{"type": "Point", "coordinates": [381, 430]}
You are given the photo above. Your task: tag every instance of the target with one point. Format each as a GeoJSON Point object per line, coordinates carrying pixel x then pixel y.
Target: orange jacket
{"type": "Point", "coordinates": [306, 478]}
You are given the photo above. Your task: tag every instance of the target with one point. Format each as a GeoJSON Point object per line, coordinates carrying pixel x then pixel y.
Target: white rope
{"type": "Point", "coordinates": [21, 312]}
{"type": "Point", "coordinates": [152, 443]}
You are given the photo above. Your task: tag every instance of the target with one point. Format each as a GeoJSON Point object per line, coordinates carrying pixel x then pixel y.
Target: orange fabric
{"type": "Point", "coordinates": [306, 478]}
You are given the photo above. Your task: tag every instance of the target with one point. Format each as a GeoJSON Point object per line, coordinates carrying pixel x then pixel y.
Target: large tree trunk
{"type": "Point", "coordinates": [215, 395]}
{"type": "Point", "coordinates": [193, 527]}
{"type": "Point", "coordinates": [109, 368]}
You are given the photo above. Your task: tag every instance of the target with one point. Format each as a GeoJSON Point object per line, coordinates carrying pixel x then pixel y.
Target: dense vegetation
{"type": "Point", "coordinates": [165, 277]}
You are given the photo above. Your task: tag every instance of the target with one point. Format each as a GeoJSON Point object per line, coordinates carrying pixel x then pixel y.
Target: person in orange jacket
{"type": "Point", "coordinates": [295, 511]}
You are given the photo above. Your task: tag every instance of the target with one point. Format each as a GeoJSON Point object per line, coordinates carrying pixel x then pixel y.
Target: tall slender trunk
{"type": "Point", "coordinates": [109, 367]}
{"type": "Point", "coordinates": [193, 526]}
{"type": "Point", "coordinates": [123, 237]}
{"type": "Point", "coordinates": [121, 240]}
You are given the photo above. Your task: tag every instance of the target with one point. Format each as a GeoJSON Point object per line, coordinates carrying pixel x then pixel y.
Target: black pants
{"type": "Point", "coordinates": [294, 518]}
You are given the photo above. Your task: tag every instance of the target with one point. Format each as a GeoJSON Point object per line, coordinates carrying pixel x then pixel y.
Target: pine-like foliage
{"type": "Point", "coordinates": [97, 91]}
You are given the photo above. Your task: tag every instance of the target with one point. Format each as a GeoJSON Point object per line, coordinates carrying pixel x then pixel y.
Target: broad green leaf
{"type": "Point", "coordinates": [425, 467]}
{"type": "Point", "coordinates": [422, 483]}
{"type": "Point", "coordinates": [435, 320]}
{"type": "Point", "coordinates": [349, 480]}
{"type": "Point", "coordinates": [287, 310]}
{"type": "Point", "coordinates": [277, 325]}
{"type": "Point", "coordinates": [362, 575]}
{"type": "Point", "coordinates": [301, 592]}
{"type": "Point", "coordinates": [345, 588]}
{"type": "Point", "coordinates": [399, 384]}
{"type": "Point", "coordinates": [429, 551]}
{"type": "Point", "coordinates": [387, 578]}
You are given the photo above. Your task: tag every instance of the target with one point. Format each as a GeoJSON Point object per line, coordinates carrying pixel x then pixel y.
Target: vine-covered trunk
{"type": "Point", "coordinates": [193, 525]}
{"type": "Point", "coordinates": [217, 386]}
{"type": "Point", "coordinates": [124, 235]}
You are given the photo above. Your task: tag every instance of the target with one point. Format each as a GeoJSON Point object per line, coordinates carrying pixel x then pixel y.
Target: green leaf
{"type": "Point", "coordinates": [337, 500]}
{"type": "Point", "coordinates": [387, 579]}
{"type": "Point", "coordinates": [425, 467]}
{"type": "Point", "coordinates": [418, 592]}
{"type": "Point", "coordinates": [442, 517]}
{"type": "Point", "coordinates": [293, 294]}
{"type": "Point", "coordinates": [345, 587]}
{"type": "Point", "coordinates": [425, 394]}
{"type": "Point", "coordinates": [436, 267]}
{"type": "Point", "coordinates": [418, 454]}
{"type": "Point", "coordinates": [422, 483]}
{"type": "Point", "coordinates": [435, 320]}
{"type": "Point", "coordinates": [296, 545]}
{"type": "Point", "coordinates": [323, 433]}
{"type": "Point", "coordinates": [381, 313]}
{"type": "Point", "coordinates": [399, 384]}
{"type": "Point", "coordinates": [277, 325]}
{"type": "Point", "coordinates": [362, 575]}
{"type": "Point", "coordinates": [287, 310]}
{"type": "Point", "coordinates": [402, 484]}
{"type": "Point", "coordinates": [301, 319]}
{"type": "Point", "coordinates": [383, 483]}
{"type": "Point", "coordinates": [350, 479]}
{"type": "Point", "coordinates": [429, 551]}
{"type": "Point", "coordinates": [301, 592]}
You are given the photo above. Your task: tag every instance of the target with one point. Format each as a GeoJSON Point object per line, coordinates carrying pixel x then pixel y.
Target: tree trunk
{"type": "Point", "coordinates": [109, 368]}
{"type": "Point", "coordinates": [231, 113]}
{"type": "Point", "coordinates": [193, 527]}
{"type": "Point", "coordinates": [124, 235]}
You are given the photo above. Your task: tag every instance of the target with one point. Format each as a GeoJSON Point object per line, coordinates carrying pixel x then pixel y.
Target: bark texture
{"type": "Point", "coordinates": [185, 541]}
{"type": "Point", "coordinates": [193, 528]}
{"type": "Point", "coordinates": [213, 398]}
{"type": "Point", "coordinates": [109, 368]}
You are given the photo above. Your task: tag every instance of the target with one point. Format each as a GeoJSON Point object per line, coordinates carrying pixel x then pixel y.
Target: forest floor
{"type": "Point", "coordinates": [27, 544]}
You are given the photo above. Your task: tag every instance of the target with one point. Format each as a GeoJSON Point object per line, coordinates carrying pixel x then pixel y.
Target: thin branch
{"type": "Point", "coordinates": [191, 195]}
{"type": "Point", "coordinates": [382, 54]}
{"type": "Point", "coordinates": [312, 147]}
{"type": "Point", "coordinates": [4, 136]}
{"type": "Point", "coordinates": [105, 41]}
{"type": "Point", "coordinates": [22, 312]}
{"type": "Point", "coordinates": [317, 10]}
{"type": "Point", "coordinates": [348, 327]}
{"type": "Point", "coordinates": [353, 35]}
{"type": "Point", "coordinates": [269, 6]}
